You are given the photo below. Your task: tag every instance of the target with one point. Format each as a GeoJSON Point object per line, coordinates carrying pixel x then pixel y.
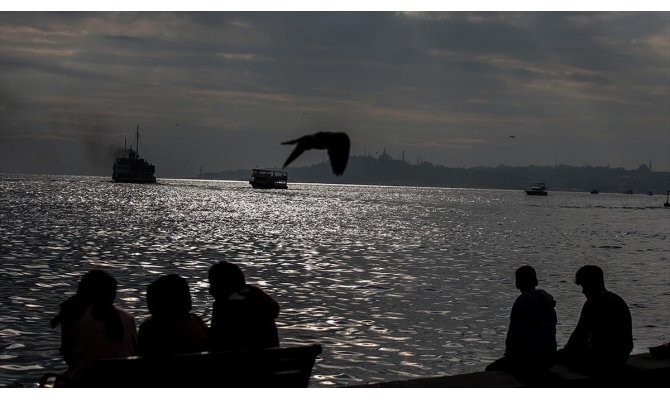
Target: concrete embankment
{"type": "Point", "coordinates": [641, 371]}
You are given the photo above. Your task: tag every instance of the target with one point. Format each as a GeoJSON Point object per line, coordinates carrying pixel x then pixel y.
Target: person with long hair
{"type": "Point", "coordinates": [92, 327]}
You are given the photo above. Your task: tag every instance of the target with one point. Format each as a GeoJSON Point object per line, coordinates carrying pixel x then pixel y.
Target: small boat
{"type": "Point", "coordinates": [629, 191]}
{"type": "Point", "coordinates": [595, 191]}
{"type": "Point", "coordinates": [650, 193]}
{"type": "Point", "coordinates": [131, 168]}
{"type": "Point", "coordinates": [268, 179]}
{"type": "Point", "coordinates": [537, 190]}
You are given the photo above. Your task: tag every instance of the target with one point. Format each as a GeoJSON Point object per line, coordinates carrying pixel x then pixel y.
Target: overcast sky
{"type": "Point", "coordinates": [222, 90]}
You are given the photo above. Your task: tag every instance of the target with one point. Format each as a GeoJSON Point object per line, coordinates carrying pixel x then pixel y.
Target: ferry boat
{"type": "Point", "coordinates": [131, 168]}
{"type": "Point", "coordinates": [537, 190]}
{"type": "Point", "coordinates": [268, 179]}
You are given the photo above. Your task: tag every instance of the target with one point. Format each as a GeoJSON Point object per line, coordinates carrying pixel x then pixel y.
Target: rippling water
{"type": "Point", "coordinates": [394, 282]}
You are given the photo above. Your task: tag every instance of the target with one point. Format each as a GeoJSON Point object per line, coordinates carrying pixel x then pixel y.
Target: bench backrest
{"type": "Point", "coordinates": [274, 367]}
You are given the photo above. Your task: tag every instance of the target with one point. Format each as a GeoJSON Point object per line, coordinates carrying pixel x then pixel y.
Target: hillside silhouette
{"type": "Point", "coordinates": [384, 170]}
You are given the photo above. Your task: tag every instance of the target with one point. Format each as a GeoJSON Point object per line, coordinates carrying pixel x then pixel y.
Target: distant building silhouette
{"type": "Point", "coordinates": [384, 170]}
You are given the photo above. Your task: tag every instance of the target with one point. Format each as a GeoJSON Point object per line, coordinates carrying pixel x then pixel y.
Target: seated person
{"type": "Point", "coordinates": [92, 327]}
{"type": "Point", "coordinates": [530, 346]}
{"type": "Point", "coordinates": [171, 329]}
{"type": "Point", "coordinates": [603, 338]}
{"type": "Point", "coordinates": [243, 315]}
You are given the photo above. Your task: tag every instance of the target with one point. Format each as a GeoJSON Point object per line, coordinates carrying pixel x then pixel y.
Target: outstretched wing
{"type": "Point", "coordinates": [299, 149]}
{"type": "Point", "coordinates": [337, 144]}
{"type": "Point", "coordinates": [338, 152]}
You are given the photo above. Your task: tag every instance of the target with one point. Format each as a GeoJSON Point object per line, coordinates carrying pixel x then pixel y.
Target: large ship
{"type": "Point", "coordinates": [268, 179]}
{"type": "Point", "coordinates": [131, 168]}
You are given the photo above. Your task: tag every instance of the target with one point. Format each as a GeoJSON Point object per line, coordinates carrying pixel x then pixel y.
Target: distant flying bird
{"type": "Point", "coordinates": [337, 144]}
{"type": "Point", "coordinates": [512, 137]}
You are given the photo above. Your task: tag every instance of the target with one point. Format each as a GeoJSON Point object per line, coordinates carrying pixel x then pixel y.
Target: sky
{"type": "Point", "coordinates": [221, 90]}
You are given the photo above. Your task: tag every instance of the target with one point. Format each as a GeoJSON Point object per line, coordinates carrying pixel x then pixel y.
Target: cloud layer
{"type": "Point", "coordinates": [221, 90]}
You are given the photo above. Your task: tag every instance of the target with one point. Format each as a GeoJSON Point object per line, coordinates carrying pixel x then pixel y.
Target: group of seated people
{"type": "Point", "coordinates": [243, 317]}
{"type": "Point", "coordinates": [92, 327]}
{"type": "Point", "coordinates": [600, 343]}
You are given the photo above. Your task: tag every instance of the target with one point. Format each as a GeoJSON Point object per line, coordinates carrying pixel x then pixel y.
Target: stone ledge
{"type": "Point", "coordinates": [641, 371]}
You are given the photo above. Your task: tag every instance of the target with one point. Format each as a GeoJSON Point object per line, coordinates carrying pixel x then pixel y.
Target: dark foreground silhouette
{"type": "Point", "coordinates": [98, 338]}
{"type": "Point", "coordinates": [530, 347]}
{"type": "Point", "coordinates": [176, 348]}
{"type": "Point", "coordinates": [603, 338]}
{"type": "Point", "coordinates": [243, 315]}
{"type": "Point", "coordinates": [337, 144]}
{"type": "Point", "coordinates": [92, 327]}
{"type": "Point", "coordinates": [171, 329]}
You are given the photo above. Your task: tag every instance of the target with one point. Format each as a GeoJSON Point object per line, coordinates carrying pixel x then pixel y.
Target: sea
{"type": "Point", "coordinates": [394, 282]}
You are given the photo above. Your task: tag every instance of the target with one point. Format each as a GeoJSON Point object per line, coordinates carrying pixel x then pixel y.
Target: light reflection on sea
{"type": "Point", "coordinates": [394, 282]}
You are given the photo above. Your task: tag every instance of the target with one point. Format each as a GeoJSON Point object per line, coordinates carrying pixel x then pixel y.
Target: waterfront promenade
{"type": "Point", "coordinates": [641, 371]}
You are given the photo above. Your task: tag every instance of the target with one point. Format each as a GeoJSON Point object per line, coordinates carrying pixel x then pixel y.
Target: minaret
{"type": "Point", "coordinates": [137, 140]}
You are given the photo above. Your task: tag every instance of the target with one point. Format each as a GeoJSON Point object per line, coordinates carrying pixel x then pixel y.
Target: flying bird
{"type": "Point", "coordinates": [337, 144]}
{"type": "Point", "coordinates": [512, 137]}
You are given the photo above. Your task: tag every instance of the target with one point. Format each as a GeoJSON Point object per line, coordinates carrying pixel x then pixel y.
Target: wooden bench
{"type": "Point", "coordinates": [273, 367]}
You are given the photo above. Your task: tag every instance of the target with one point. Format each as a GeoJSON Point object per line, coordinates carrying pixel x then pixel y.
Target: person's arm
{"type": "Point", "coordinates": [145, 339]}
{"type": "Point", "coordinates": [66, 348]}
{"type": "Point", "coordinates": [579, 338]}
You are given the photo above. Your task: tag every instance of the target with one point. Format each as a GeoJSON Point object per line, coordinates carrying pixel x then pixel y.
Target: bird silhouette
{"type": "Point", "coordinates": [337, 144]}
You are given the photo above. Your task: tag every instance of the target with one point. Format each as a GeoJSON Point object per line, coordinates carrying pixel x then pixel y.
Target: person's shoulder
{"type": "Point", "coordinates": [147, 325]}
{"type": "Point", "coordinates": [614, 298]}
{"type": "Point", "coordinates": [125, 316]}
{"type": "Point", "coordinates": [197, 318]}
{"type": "Point", "coordinates": [255, 290]}
{"type": "Point", "coordinates": [545, 296]}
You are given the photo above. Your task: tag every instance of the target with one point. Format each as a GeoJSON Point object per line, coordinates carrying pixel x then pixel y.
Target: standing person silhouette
{"type": "Point", "coordinates": [92, 327]}
{"type": "Point", "coordinates": [243, 315]}
{"type": "Point", "coordinates": [603, 338]}
{"type": "Point", "coordinates": [530, 346]}
{"type": "Point", "coordinates": [171, 329]}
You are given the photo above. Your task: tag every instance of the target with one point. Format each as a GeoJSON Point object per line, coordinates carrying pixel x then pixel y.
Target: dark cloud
{"type": "Point", "coordinates": [240, 83]}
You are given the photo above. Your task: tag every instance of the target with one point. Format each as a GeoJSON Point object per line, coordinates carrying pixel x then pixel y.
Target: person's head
{"type": "Point", "coordinates": [591, 279]}
{"type": "Point", "coordinates": [225, 278]}
{"type": "Point", "coordinates": [526, 279]}
{"type": "Point", "coordinates": [169, 297]}
{"type": "Point", "coordinates": [97, 287]}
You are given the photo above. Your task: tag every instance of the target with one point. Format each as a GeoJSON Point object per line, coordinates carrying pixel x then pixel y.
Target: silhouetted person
{"type": "Point", "coordinates": [243, 315]}
{"type": "Point", "coordinates": [603, 338]}
{"type": "Point", "coordinates": [92, 327]}
{"type": "Point", "coordinates": [171, 329]}
{"type": "Point", "coordinates": [530, 346]}
{"type": "Point", "coordinates": [337, 144]}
